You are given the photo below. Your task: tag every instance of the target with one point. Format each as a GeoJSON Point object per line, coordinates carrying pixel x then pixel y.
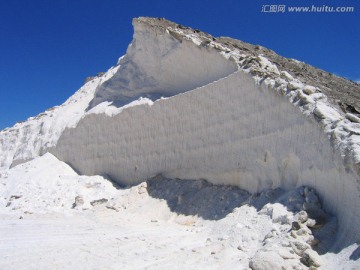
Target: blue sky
{"type": "Point", "coordinates": [48, 47]}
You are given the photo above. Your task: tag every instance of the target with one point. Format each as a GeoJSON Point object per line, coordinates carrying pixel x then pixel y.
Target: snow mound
{"type": "Point", "coordinates": [46, 185]}
{"type": "Point", "coordinates": [228, 132]}
{"type": "Point", "coordinates": [186, 105]}
{"type": "Point", "coordinates": [210, 225]}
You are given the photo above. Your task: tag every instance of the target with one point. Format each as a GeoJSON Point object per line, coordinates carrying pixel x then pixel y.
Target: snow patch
{"type": "Point", "coordinates": [46, 185]}
{"type": "Point", "coordinates": [109, 109]}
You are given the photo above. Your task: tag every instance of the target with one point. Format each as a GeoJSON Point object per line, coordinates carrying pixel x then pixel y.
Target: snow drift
{"type": "Point", "coordinates": [186, 105]}
{"type": "Point", "coordinates": [228, 130]}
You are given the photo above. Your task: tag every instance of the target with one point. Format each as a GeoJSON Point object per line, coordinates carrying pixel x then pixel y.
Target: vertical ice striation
{"type": "Point", "coordinates": [230, 132]}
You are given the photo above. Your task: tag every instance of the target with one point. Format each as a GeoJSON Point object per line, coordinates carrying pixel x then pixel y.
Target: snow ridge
{"type": "Point", "coordinates": [157, 64]}
{"type": "Point", "coordinates": [31, 138]}
{"type": "Point", "coordinates": [228, 132]}
{"type": "Point", "coordinates": [187, 105]}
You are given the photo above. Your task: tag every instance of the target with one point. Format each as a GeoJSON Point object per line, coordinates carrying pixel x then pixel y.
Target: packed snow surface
{"type": "Point", "coordinates": [64, 220]}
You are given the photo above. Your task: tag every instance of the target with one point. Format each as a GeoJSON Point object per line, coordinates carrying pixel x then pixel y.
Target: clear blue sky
{"type": "Point", "coordinates": [48, 47]}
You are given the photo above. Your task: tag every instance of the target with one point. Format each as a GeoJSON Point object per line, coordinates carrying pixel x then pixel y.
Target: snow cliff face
{"type": "Point", "coordinates": [159, 63]}
{"type": "Point", "coordinates": [228, 115]}
{"type": "Point", "coordinates": [226, 129]}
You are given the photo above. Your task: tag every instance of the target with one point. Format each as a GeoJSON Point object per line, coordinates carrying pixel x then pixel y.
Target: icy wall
{"type": "Point", "coordinates": [230, 131]}
{"type": "Point", "coordinates": [215, 122]}
{"type": "Point", "coordinates": [160, 63]}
